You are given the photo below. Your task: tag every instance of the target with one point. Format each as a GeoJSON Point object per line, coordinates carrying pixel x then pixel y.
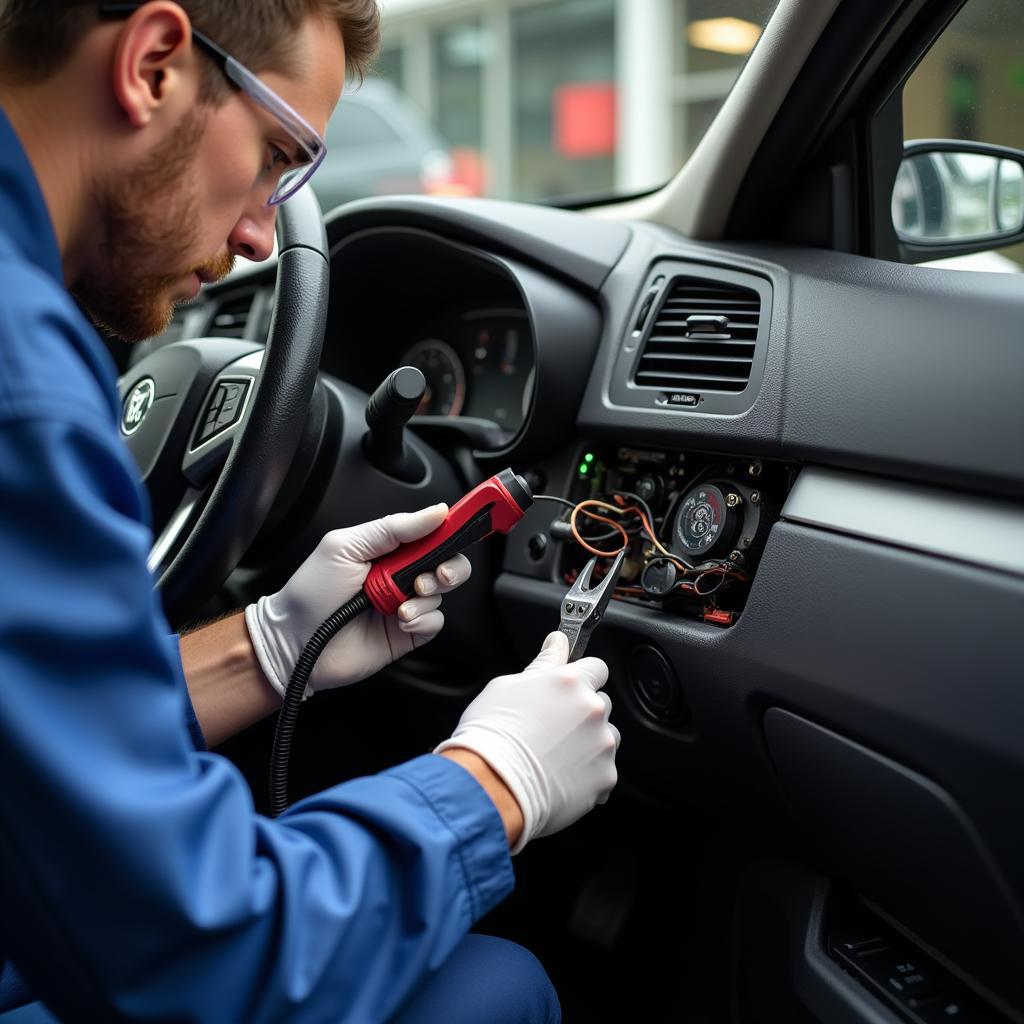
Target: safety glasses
{"type": "Point", "coordinates": [288, 172]}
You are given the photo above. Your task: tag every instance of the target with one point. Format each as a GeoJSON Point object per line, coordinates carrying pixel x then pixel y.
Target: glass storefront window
{"type": "Point", "coordinates": [718, 37]}
{"type": "Point", "coordinates": [390, 65]}
{"type": "Point", "coordinates": [459, 52]}
{"type": "Point", "coordinates": [545, 99]}
{"type": "Point", "coordinates": [719, 34]}
{"type": "Point", "coordinates": [563, 66]}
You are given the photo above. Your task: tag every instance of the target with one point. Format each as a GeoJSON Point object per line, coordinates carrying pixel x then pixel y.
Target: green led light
{"type": "Point", "coordinates": [584, 468]}
{"type": "Point", "coordinates": [588, 457]}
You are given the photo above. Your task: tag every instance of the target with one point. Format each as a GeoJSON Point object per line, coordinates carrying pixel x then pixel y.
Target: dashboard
{"type": "Point", "coordinates": [478, 363]}
{"type": "Point", "coordinates": [836, 535]}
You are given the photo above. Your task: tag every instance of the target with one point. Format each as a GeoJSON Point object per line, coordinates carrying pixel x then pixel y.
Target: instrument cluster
{"type": "Point", "coordinates": [478, 364]}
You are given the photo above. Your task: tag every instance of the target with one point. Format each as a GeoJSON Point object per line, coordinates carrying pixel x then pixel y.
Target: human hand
{"type": "Point", "coordinates": [280, 624]}
{"type": "Point", "coordinates": [545, 732]}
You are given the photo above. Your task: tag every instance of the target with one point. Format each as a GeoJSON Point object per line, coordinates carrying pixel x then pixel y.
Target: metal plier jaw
{"type": "Point", "coordinates": [583, 607]}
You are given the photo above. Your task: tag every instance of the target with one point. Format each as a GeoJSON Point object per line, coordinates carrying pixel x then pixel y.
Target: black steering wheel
{"type": "Point", "coordinates": [214, 423]}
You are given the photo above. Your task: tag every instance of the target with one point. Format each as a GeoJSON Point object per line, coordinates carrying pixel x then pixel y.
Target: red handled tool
{"type": "Point", "coordinates": [493, 507]}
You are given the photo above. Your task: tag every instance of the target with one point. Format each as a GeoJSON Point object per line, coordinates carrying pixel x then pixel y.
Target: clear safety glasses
{"type": "Point", "coordinates": [286, 172]}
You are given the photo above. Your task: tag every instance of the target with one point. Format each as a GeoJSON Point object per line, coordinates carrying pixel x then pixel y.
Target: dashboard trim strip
{"type": "Point", "coordinates": [978, 531]}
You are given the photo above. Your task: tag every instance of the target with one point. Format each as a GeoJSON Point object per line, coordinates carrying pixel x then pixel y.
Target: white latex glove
{"type": "Point", "coordinates": [546, 732]}
{"type": "Point", "coordinates": [282, 623]}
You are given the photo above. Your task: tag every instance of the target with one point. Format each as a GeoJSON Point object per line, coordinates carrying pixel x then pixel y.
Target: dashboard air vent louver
{"type": "Point", "coordinates": [703, 338]}
{"type": "Point", "coordinates": [232, 316]}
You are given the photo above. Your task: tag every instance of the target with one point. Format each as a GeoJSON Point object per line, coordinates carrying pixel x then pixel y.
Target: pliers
{"type": "Point", "coordinates": [584, 605]}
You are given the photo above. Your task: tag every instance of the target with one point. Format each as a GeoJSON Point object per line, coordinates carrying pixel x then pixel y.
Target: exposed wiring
{"type": "Point", "coordinates": [714, 590]}
{"type": "Point", "coordinates": [648, 521]}
{"type": "Point", "coordinates": [582, 507]}
{"type": "Point", "coordinates": [556, 499]}
{"type": "Point", "coordinates": [616, 530]}
{"type": "Point", "coordinates": [722, 570]}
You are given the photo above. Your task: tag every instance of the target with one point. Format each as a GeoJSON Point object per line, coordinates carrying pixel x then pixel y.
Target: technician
{"type": "Point", "coordinates": [136, 881]}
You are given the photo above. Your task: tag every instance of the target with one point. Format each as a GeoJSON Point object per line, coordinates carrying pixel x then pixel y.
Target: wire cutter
{"type": "Point", "coordinates": [584, 605]}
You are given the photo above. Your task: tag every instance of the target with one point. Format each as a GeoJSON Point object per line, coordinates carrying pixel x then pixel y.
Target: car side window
{"type": "Point", "coordinates": [969, 87]}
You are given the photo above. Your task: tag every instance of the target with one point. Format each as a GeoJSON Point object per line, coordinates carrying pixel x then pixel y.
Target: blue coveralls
{"type": "Point", "coordinates": [136, 880]}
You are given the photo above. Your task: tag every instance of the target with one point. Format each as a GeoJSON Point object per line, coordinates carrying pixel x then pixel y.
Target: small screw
{"type": "Point", "coordinates": [736, 556]}
{"type": "Point", "coordinates": [569, 607]}
{"type": "Point", "coordinates": [732, 500]}
{"type": "Point", "coordinates": [754, 469]}
{"type": "Point", "coordinates": [745, 543]}
{"type": "Point", "coordinates": [755, 497]}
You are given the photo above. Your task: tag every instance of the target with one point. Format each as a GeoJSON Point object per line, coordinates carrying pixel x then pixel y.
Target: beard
{"type": "Point", "coordinates": [149, 221]}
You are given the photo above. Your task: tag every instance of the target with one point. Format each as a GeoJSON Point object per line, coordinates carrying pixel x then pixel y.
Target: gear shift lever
{"type": "Point", "coordinates": [387, 412]}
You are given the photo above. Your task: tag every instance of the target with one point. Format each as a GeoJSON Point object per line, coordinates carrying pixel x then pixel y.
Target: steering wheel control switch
{"type": "Point", "coordinates": [224, 409]}
{"type": "Point", "coordinates": [689, 527]}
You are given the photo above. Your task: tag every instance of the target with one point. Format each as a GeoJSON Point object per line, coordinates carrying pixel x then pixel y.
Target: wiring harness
{"type": "Point", "coordinates": [633, 521]}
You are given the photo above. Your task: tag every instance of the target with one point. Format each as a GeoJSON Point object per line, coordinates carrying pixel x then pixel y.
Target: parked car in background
{"type": "Point", "coordinates": [379, 143]}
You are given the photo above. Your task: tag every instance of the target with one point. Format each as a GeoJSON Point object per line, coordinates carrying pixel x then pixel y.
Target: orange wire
{"type": "Point", "coordinates": [648, 526]}
{"type": "Point", "coordinates": [601, 519]}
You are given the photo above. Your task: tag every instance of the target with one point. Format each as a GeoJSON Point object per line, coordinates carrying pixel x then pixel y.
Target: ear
{"type": "Point", "coordinates": [153, 59]}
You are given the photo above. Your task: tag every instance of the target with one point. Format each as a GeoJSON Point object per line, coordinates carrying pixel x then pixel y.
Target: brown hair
{"type": "Point", "coordinates": [38, 36]}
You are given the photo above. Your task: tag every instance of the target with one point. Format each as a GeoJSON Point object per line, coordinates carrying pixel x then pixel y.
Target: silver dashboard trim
{"type": "Point", "coordinates": [976, 531]}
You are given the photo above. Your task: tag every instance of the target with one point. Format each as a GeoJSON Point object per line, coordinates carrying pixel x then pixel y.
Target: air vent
{"type": "Point", "coordinates": [232, 316]}
{"type": "Point", "coordinates": [703, 338]}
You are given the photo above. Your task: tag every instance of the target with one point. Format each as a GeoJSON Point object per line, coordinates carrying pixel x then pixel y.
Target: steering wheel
{"type": "Point", "coordinates": [214, 423]}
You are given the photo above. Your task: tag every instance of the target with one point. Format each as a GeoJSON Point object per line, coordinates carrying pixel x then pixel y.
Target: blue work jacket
{"type": "Point", "coordinates": [136, 880]}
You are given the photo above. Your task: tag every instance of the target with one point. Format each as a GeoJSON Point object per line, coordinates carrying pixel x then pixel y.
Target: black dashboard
{"type": "Point", "coordinates": [831, 450]}
{"type": "Point", "coordinates": [456, 317]}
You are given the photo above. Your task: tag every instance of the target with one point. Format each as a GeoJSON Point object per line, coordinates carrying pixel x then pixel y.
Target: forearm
{"type": "Point", "coordinates": [230, 692]}
{"type": "Point", "coordinates": [492, 784]}
{"type": "Point", "coordinates": [225, 682]}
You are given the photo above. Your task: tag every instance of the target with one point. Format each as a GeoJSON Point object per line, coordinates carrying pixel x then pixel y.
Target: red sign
{"type": "Point", "coordinates": [585, 119]}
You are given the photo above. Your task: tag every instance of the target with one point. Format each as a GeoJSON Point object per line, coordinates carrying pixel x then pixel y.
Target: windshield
{"type": "Point", "coordinates": [550, 99]}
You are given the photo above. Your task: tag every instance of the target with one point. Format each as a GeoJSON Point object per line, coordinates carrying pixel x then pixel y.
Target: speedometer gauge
{"type": "Point", "coordinates": [446, 377]}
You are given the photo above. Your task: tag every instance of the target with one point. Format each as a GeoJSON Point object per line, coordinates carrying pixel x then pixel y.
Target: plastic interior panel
{"type": "Point", "coordinates": [909, 371]}
{"type": "Point", "coordinates": [583, 249]}
{"type": "Point", "coordinates": [624, 392]}
{"type": "Point", "coordinates": [878, 824]}
{"type": "Point", "coordinates": [824, 635]}
{"type": "Point", "coordinates": [978, 531]}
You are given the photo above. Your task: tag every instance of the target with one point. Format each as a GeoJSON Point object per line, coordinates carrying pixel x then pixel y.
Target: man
{"type": "Point", "coordinates": [136, 160]}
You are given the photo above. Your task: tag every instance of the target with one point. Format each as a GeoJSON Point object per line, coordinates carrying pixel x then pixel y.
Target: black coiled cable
{"type": "Point", "coordinates": [289, 713]}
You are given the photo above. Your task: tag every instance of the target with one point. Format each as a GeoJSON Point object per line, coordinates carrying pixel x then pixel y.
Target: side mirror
{"type": "Point", "coordinates": [951, 198]}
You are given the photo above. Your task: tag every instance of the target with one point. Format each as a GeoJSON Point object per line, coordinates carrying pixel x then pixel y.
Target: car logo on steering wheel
{"type": "Point", "coordinates": [136, 405]}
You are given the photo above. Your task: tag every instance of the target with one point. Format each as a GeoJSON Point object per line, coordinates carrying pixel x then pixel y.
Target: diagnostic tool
{"type": "Point", "coordinates": [495, 506]}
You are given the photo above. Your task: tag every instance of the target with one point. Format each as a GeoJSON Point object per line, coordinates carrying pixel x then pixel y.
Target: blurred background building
{"type": "Point", "coordinates": [564, 99]}
{"type": "Point", "coordinates": [539, 99]}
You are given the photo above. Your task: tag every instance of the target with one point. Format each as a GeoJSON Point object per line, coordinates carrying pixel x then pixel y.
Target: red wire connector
{"type": "Point", "coordinates": [719, 617]}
